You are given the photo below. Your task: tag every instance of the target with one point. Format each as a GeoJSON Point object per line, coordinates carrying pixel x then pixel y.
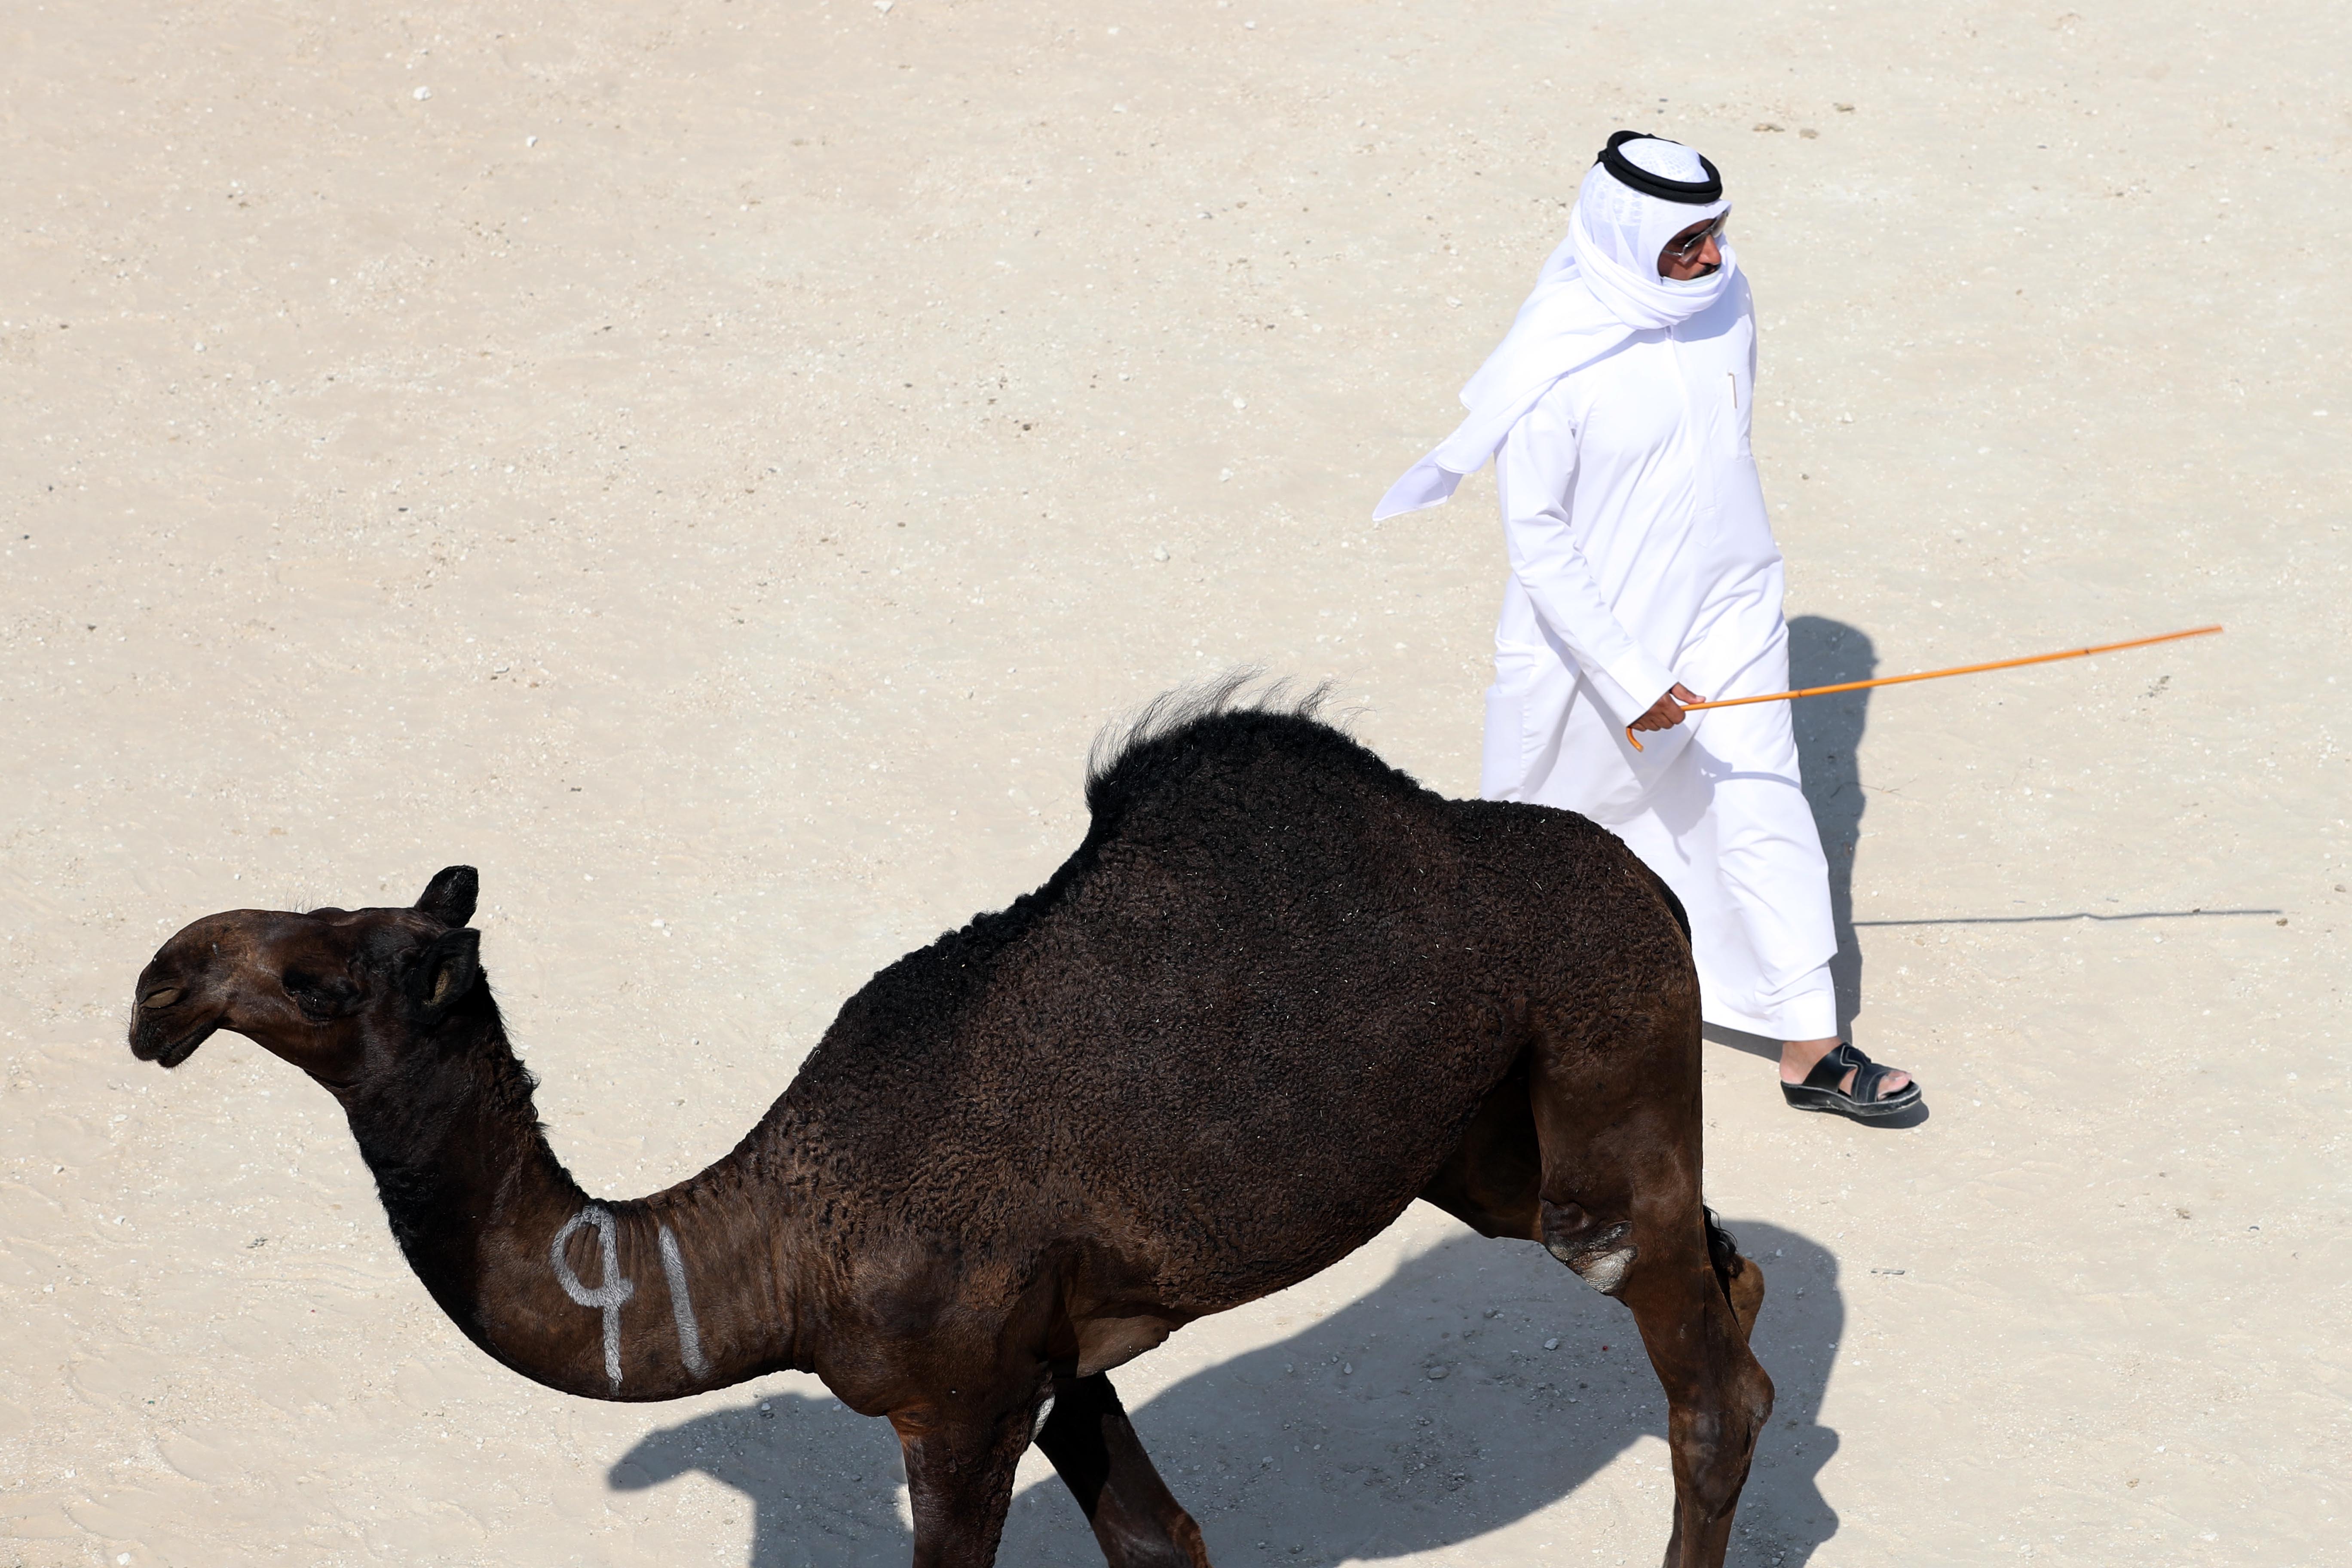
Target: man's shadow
{"type": "Point", "coordinates": [1823, 652]}
{"type": "Point", "coordinates": [1421, 1416]}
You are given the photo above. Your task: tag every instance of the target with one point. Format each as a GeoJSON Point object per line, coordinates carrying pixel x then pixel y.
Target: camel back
{"type": "Point", "coordinates": [1266, 996]}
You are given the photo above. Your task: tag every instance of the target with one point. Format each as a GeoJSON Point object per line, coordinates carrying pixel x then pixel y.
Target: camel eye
{"type": "Point", "coordinates": [164, 998]}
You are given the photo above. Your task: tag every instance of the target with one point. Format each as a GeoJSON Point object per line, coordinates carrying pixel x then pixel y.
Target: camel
{"type": "Point", "coordinates": [1279, 992]}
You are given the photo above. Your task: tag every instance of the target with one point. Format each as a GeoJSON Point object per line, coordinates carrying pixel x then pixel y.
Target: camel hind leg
{"type": "Point", "coordinates": [1618, 1201]}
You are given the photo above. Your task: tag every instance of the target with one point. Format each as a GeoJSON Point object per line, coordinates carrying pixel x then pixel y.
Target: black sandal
{"type": "Point", "coordinates": [1820, 1090]}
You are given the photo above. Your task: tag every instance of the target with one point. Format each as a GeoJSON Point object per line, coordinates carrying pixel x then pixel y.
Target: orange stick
{"type": "Point", "coordinates": [1938, 674]}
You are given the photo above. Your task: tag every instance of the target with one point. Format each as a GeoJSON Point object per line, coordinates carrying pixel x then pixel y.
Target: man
{"type": "Point", "coordinates": [1643, 566]}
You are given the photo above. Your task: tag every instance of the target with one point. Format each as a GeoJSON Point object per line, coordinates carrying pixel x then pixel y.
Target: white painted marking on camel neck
{"type": "Point", "coordinates": [681, 1305]}
{"type": "Point", "coordinates": [611, 1293]}
{"type": "Point", "coordinates": [614, 1291]}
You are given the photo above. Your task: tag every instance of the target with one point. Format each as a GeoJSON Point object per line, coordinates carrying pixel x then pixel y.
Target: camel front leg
{"type": "Point", "coordinates": [1093, 1448]}
{"type": "Point", "coordinates": [960, 1468]}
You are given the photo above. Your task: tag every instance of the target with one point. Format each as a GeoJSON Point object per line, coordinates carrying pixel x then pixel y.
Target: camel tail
{"type": "Point", "coordinates": [1722, 1251]}
{"type": "Point", "coordinates": [1674, 904]}
{"type": "Point", "coordinates": [1111, 759]}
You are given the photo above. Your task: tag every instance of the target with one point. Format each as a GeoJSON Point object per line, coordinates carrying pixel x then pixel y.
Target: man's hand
{"type": "Point", "coordinates": [1666, 711]}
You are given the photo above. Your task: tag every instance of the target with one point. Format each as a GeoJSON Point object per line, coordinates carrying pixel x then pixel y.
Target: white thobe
{"type": "Point", "coordinates": [1640, 556]}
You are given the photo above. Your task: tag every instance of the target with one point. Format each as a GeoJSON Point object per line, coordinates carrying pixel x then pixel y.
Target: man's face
{"type": "Point", "coordinates": [1693, 252]}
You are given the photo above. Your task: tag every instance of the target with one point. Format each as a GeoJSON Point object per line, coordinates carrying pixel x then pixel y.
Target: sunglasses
{"type": "Point", "coordinates": [1682, 249]}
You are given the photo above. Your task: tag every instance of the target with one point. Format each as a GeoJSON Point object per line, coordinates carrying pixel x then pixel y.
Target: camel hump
{"type": "Point", "coordinates": [1165, 744]}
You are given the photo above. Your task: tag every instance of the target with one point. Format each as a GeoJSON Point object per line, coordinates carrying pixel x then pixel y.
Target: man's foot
{"type": "Point", "coordinates": [1830, 1075]}
{"type": "Point", "coordinates": [1798, 1058]}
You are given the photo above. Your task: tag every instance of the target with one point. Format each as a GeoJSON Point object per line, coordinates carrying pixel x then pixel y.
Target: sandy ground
{"type": "Point", "coordinates": [714, 466]}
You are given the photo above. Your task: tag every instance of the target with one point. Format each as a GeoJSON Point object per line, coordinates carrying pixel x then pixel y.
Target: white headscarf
{"type": "Point", "coordinates": [1598, 289]}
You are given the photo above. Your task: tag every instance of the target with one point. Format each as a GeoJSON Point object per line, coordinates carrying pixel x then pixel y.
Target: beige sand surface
{"type": "Point", "coordinates": [713, 465]}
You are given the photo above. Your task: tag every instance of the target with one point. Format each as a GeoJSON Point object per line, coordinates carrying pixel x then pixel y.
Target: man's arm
{"type": "Point", "coordinates": [1534, 469]}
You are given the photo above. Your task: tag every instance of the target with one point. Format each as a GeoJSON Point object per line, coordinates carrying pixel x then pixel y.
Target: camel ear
{"type": "Point", "coordinates": [450, 897]}
{"type": "Point", "coordinates": [446, 970]}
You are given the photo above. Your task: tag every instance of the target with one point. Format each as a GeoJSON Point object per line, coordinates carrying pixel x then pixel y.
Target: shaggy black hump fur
{"type": "Point", "coordinates": [1160, 728]}
{"type": "Point", "coordinates": [1270, 939]}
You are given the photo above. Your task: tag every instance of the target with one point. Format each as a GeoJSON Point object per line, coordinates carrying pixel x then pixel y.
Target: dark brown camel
{"type": "Point", "coordinates": [1279, 992]}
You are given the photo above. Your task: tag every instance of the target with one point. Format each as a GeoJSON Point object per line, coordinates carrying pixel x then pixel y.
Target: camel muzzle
{"type": "Point", "coordinates": [176, 1009]}
{"type": "Point", "coordinates": [155, 1037]}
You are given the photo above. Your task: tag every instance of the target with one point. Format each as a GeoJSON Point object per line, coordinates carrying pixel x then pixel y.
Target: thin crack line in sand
{"type": "Point", "coordinates": [2078, 915]}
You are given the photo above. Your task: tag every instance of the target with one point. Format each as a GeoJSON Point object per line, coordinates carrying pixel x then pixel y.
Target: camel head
{"type": "Point", "coordinates": [317, 989]}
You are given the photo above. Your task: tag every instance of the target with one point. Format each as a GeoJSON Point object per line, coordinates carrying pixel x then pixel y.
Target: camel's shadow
{"type": "Point", "coordinates": [1408, 1421]}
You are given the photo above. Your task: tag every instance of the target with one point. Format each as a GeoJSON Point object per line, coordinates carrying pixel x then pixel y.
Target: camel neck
{"type": "Point", "coordinates": [613, 1298]}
